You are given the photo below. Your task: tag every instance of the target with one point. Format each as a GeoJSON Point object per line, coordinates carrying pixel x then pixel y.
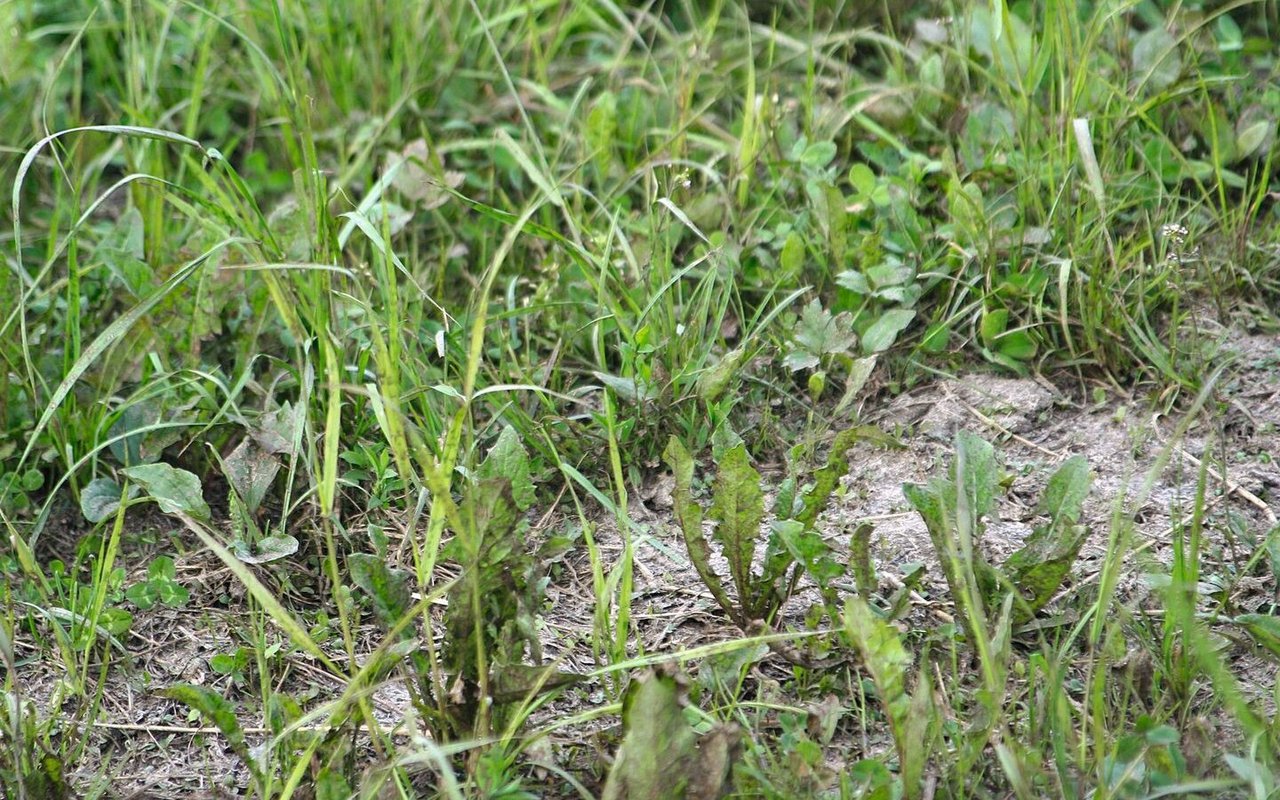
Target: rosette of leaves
{"type": "Point", "coordinates": [491, 642]}
{"type": "Point", "coordinates": [954, 507]}
{"type": "Point", "coordinates": [793, 546]}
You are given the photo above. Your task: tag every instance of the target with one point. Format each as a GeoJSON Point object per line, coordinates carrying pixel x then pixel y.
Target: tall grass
{"type": "Point", "coordinates": [373, 237]}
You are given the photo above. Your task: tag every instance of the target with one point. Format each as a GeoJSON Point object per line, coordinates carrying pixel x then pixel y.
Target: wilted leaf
{"type": "Point", "coordinates": [417, 177]}
{"type": "Point", "coordinates": [714, 380]}
{"type": "Point", "coordinates": [277, 431]}
{"type": "Point", "coordinates": [660, 757]}
{"type": "Point", "coordinates": [510, 683]}
{"type": "Point", "coordinates": [394, 217]}
{"type": "Point", "coordinates": [627, 388]}
{"type": "Point", "coordinates": [135, 439]}
{"type": "Point", "coordinates": [176, 491]}
{"type": "Point", "coordinates": [859, 372]}
{"type": "Point", "coordinates": [1042, 564]}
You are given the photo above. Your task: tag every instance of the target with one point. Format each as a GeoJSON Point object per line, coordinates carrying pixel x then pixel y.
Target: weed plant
{"type": "Point", "coordinates": [365, 327]}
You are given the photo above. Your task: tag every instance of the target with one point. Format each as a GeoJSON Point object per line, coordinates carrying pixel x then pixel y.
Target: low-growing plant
{"type": "Point", "coordinates": [954, 506]}
{"type": "Point", "coordinates": [794, 547]}
{"type": "Point", "coordinates": [913, 718]}
{"type": "Point", "coordinates": [160, 586]}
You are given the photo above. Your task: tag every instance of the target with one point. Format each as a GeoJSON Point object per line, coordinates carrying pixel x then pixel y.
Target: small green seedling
{"type": "Point", "coordinates": [161, 586]}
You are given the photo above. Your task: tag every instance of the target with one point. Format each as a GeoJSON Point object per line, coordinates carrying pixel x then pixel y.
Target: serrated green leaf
{"type": "Point", "coordinates": [809, 550]}
{"type": "Point", "coordinates": [689, 516]}
{"type": "Point", "coordinates": [508, 459]}
{"type": "Point", "coordinates": [1066, 491]}
{"type": "Point", "coordinates": [818, 333]}
{"type": "Point", "coordinates": [888, 661]}
{"type": "Point", "coordinates": [176, 491]}
{"type": "Point", "coordinates": [215, 709]}
{"type": "Point", "coordinates": [737, 507]}
{"type": "Point", "coordinates": [976, 464]}
{"type": "Point", "coordinates": [828, 477]}
{"type": "Point", "coordinates": [863, 568]}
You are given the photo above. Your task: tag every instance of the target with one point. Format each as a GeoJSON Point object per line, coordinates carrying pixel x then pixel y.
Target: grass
{"type": "Point", "coordinates": [356, 337]}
